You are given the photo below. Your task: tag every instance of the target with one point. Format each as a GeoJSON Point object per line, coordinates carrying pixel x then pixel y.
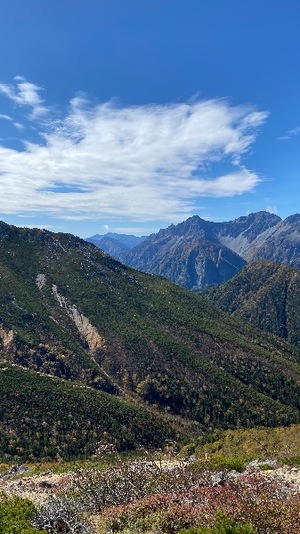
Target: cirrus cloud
{"type": "Point", "coordinates": [25, 93]}
{"type": "Point", "coordinates": [289, 134]}
{"type": "Point", "coordinates": [137, 163]}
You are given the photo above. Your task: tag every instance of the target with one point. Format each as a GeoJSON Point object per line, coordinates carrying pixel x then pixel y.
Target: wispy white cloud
{"type": "Point", "coordinates": [25, 93]}
{"type": "Point", "coordinates": [18, 125]}
{"type": "Point", "coordinates": [289, 134]}
{"type": "Point", "coordinates": [140, 163]}
{"type": "Point", "coordinates": [6, 117]}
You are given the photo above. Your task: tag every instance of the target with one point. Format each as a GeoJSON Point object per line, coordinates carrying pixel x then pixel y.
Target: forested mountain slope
{"type": "Point", "coordinates": [267, 295]}
{"type": "Point", "coordinates": [69, 310]}
{"type": "Point", "coordinates": [44, 417]}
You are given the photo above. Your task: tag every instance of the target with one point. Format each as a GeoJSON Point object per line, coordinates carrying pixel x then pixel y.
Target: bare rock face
{"type": "Point", "coordinates": [87, 331]}
{"type": "Point", "coordinates": [40, 280]}
{"type": "Point", "coordinates": [280, 244]}
{"type": "Point", "coordinates": [6, 337]}
{"type": "Point", "coordinates": [244, 234]}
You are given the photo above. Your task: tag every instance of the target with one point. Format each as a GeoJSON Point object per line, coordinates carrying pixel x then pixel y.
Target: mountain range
{"type": "Point", "coordinates": [104, 339]}
{"type": "Point", "coordinates": [116, 244]}
{"type": "Point", "coordinates": [198, 253]}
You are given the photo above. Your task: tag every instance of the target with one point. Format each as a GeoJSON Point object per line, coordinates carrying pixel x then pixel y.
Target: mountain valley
{"type": "Point", "coordinates": [70, 311]}
{"type": "Point", "coordinates": [124, 396]}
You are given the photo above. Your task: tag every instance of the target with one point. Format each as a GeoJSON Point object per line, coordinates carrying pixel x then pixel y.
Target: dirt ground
{"type": "Point", "coordinates": [36, 487]}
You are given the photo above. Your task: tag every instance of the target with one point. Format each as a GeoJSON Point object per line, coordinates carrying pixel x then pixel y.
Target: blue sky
{"type": "Point", "coordinates": [131, 115]}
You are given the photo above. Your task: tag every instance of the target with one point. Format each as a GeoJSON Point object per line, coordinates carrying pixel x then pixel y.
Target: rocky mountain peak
{"type": "Point", "coordinates": [293, 219]}
{"type": "Point", "coordinates": [197, 253]}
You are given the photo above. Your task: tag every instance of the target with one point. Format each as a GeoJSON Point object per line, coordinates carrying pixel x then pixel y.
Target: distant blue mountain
{"type": "Point", "coordinates": [115, 244]}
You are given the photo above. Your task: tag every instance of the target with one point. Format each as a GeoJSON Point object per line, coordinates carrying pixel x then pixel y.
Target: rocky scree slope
{"type": "Point", "coordinates": [281, 243]}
